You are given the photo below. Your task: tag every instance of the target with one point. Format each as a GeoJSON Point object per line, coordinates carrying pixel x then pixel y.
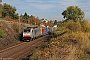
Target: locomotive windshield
{"type": "Point", "coordinates": [26, 30]}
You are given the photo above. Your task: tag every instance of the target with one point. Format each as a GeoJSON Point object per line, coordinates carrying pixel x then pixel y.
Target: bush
{"type": "Point", "coordinates": [73, 45]}
{"type": "Point", "coordinates": [1, 33]}
{"type": "Point", "coordinates": [34, 56]}
{"type": "Point", "coordinates": [74, 27]}
{"type": "Point", "coordinates": [60, 31]}
{"type": "Point", "coordinates": [85, 26]}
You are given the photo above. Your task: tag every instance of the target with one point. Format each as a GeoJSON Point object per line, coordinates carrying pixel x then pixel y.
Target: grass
{"type": "Point", "coordinates": [15, 27]}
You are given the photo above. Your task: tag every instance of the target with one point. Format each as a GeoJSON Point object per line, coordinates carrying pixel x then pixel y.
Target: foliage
{"type": "Point", "coordinates": [70, 45]}
{"type": "Point", "coordinates": [49, 23]}
{"type": "Point", "coordinates": [30, 19]}
{"type": "Point", "coordinates": [1, 33]}
{"type": "Point", "coordinates": [34, 56]}
{"type": "Point", "coordinates": [59, 23]}
{"type": "Point", "coordinates": [24, 17]}
{"type": "Point", "coordinates": [70, 25]}
{"type": "Point", "coordinates": [73, 45]}
{"type": "Point", "coordinates": [34, 20]}
{"type": "Point", "coordinates": [85, 26]}
{"type": "Point", "coordinates": [55, 22]}
{"type": "Point", "coordinates": [59, 31]}
{"type": "Point", "coordinates": [74, 26]}
{"type": "Point", "coordinates": [73, 13]}
{"type": "Point", "coordinates": [9, 11]}
{"type": "Point", "coordinates": [37, 21]}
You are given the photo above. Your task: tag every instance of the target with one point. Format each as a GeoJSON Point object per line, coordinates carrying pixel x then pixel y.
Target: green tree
{"type": "Point", "coordinates": [73, 13]}
{"type": "Point", "coordinates": [16, 16]}
{"type": "Point", "coordinates": [9, 11]}
{"type": "Point", "coordinates": [32, 20]}
{"type": "Point", "coordinates": [26, 16]}
{"type": "Point", "coordinates": [55, 22]}
{"type": "Point", "coordinates": [21, 17]}
{"type": "Point", "coordinates": [59, 23]}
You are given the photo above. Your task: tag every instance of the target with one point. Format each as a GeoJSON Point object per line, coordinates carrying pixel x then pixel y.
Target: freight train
{"type": "Point", "coordinates": [31, 33]}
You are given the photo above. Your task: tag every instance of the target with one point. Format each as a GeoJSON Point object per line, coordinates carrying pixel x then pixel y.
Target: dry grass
{"type": "Point", "coordinates": [15, 27]}
{"type": "Point", "coordinates": [65, 47]}
{"type": "Point", "coordinates": [73, 45]}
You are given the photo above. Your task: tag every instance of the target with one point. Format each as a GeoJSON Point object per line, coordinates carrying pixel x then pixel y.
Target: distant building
{"type": "Point", "coordinates": [44, 21]}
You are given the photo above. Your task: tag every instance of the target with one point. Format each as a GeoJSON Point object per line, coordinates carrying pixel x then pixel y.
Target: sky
{"type": "Point", "coordinates": [48, 9]}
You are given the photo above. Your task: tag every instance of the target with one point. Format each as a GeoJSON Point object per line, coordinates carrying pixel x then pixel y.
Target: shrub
{"type": "Point", "coordinates": [1, 33]}
{"type": "Point", "coordinates": [60, 31]}
{"type": "Point", "coordinates": [74, 26]}
{"type": "Point", "coordinates": [85, 26]}
{"type": "Point", "coordinates": [73, 45]}
{"type": "Point", "coordinates": [34, 56]}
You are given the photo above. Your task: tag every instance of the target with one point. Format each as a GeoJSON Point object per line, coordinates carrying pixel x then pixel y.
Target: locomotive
{"type": "Point", "coordinates": [31, 33]}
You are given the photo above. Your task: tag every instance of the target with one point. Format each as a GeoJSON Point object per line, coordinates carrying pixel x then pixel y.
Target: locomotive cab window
{"type": "Point", "coordinates": [26, 30]}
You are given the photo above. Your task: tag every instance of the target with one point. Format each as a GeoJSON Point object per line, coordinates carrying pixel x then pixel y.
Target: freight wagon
{"type": "Point", "coordinates": [36, 32]}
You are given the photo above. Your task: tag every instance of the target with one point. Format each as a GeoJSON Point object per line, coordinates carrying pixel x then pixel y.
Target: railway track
{"type": "Point", "coordinates": [21, 50]}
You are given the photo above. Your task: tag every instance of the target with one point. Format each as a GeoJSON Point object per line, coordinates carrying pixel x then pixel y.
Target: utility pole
{"type": "Point", "coordinates": [19, 24]}
{"type": "Point", "coordinates": [0, 8]}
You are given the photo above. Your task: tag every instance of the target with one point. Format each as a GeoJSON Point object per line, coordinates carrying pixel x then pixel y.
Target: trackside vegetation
{"type": "Point", "coordinates": [1, 33]}
{"type": "Point", "coordinates": [71, 41]}
{"type": "Point", "coordinates": [74, 44]}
